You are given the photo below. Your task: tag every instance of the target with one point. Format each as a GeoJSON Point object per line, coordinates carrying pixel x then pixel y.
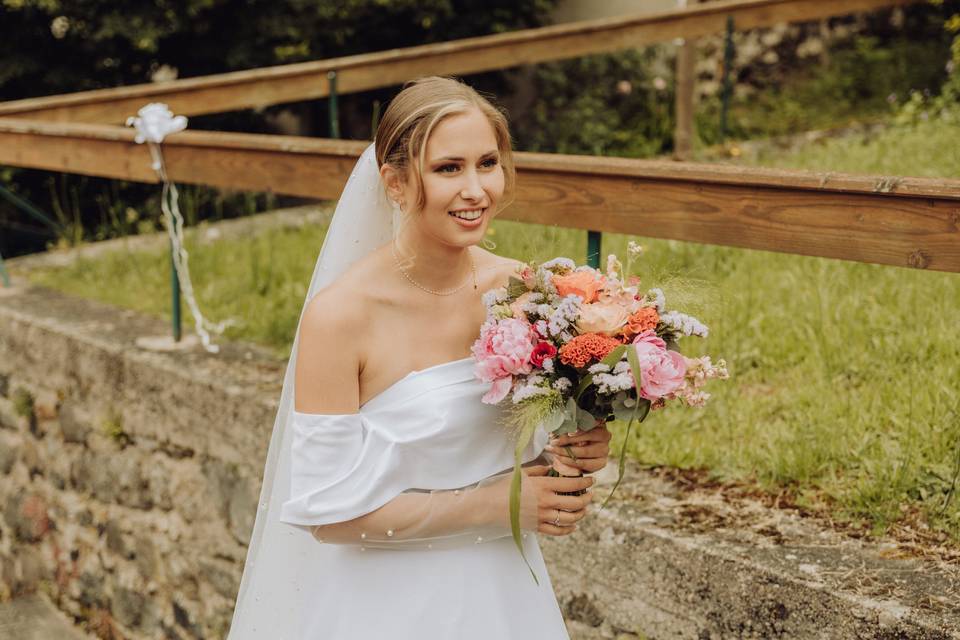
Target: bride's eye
{"type": "Point", "coordinates": [444, 168]}
{"type": "Point", "coordinates": [490, 162]}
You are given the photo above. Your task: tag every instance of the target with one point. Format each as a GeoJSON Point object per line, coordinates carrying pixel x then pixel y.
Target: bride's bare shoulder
{"type": "Point", "coordinates": [348, 297]}
{"type": "Point", "coordinates": [495, 270]}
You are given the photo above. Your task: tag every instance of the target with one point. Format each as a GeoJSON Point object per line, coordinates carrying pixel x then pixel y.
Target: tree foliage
{"type": "Point", "coordinates": [61, 46]}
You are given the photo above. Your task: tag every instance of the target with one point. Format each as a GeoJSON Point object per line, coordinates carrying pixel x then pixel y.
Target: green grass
{"type": "Point", "coordinates": [844, 377]}
{"type": "Point", "coordinates": [258, 280]}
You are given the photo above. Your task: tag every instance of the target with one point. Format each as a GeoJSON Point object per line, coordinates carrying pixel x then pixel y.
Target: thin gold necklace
{"type": "Point", "coordinates": [447, 292]}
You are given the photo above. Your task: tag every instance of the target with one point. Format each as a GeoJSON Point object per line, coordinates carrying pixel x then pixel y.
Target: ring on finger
{"type": "Point", "coordinates": [556, 522]}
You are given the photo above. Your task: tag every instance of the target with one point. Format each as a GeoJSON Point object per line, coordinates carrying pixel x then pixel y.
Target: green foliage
{"type": "Point", "coordinates": [921, 105]}
{"type": "Point", "coordinates": [112, 426]}
{"type": "Point", "coordinates": [612, 104]}
{"type": "Point", "coordinates": [60, 46]}
{"type": "Point", "coordinates": [23, 402]}
{"type": "Point", "coordinates": [860, 80]}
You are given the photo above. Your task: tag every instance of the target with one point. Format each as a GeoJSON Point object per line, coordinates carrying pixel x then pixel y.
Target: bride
{"type": "Point", "coordinates": [384, 507]}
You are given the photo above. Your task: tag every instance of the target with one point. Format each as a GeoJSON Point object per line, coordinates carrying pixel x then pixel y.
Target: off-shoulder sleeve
{"type": "Point", "coordinates": [348, 487]}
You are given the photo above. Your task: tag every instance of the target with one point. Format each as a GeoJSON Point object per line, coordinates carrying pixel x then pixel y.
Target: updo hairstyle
{"type": "Point", "coordinates": [406, 125]}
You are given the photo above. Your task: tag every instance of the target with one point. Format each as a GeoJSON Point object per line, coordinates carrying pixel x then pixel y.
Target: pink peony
{"type": "Point", "coordinates": [502, 351]}
{"type": "Point", "coordinates": [661, 371]}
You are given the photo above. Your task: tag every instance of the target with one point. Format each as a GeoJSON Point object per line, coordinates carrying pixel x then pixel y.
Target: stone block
{"type": "Point", "coordinates": [242, 509]}
{"type": "Point", "coordinates": [10, 445]}
{"type": "Point", "coordinates": [222, 576]}
{"type": "Point", "coordinates": [91, 591]}
{"type": "Point", "coordinates": [113, 533]}
{"type": "Point", "coordinates": [74, 427]}
{"type": "Point", "coordinates": [46, 405]}
{"type": "Point", "coordinates": [26, 514]}
{"type": "Point", "coordinates": [127, 606]}
{"type": "Point", "coordinates": [146, 557]}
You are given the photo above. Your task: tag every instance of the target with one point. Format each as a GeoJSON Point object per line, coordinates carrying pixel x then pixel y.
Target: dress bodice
{"type": "Point", "coordinates": [427, 431]}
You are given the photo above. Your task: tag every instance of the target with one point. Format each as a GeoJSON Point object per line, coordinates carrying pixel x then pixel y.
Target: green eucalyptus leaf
{"type": "Point", "coordinates": [516, 287]}
{"type": "Point", "coordinates": [515, 483]}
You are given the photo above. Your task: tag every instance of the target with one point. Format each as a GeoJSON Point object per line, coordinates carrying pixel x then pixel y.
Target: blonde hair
{"type": "Point", "coordinates": [410, 118]}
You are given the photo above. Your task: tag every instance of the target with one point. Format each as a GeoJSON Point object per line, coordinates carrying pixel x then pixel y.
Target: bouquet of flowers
{"type": "Point", "coordinates": [570, 345]}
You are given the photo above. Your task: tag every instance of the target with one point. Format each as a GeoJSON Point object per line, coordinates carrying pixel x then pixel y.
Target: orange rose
{"type": "Point", "coordinates": [585, 284]}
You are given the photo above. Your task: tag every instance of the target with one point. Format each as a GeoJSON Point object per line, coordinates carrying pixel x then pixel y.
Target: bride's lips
{"type": "Point", "coordinates": [469, 224]}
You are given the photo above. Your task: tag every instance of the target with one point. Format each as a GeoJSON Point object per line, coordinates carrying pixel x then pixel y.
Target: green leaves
{"type": "Point", "coordinates": [516, 287]}
{"type": "Point", "coordinates": [522, 441]}
{"type": "Point", "coordinates": [640, 410]}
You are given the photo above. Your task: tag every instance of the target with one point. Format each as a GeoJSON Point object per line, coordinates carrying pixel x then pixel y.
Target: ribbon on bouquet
{"type": "Point", "coordinates": [153, 123]}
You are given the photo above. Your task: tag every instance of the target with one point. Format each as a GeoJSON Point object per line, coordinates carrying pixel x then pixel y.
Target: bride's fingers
{"type": "Point", "coordinates": [552, 530]}
{"type": "Point", "coordinates": [567, 518]}
{"type": "Point", "coordinates": [537, 470]}
{"type": "Point", "coordinates": [593, 450]}
{"type": "Point", "coordinates": [598, 434]}
{"type": "Point", "coordinates": [584, 464]}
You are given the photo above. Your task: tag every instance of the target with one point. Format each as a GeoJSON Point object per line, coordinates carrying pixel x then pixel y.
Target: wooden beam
{"type": "Point", "coordinates": [909, 222]}
{"type": "Point", "coordinates": [308, 80]}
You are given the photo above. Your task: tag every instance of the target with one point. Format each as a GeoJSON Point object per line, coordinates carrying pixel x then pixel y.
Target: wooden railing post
{"type": "Point", "coordinates": [332, 102]}
{"type": "Point", "coordinates": [3, 273]}
{"type": "Point", "coordinates": [683, 105]}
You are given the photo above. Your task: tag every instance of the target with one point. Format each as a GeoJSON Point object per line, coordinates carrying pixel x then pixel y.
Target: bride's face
{"type": "Point", "coordinates": [462, 180]}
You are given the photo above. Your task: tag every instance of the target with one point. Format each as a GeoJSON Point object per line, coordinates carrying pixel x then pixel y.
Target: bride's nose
{"type": "Point", "coordinates": [472, 189]}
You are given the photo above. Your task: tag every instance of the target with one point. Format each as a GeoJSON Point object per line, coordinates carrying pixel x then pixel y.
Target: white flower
{"type": "Point", "coordinates": [559, 264]}
{"type": "Point", "coordinates": [562, 384]}
{"type": "Point", "coordinates": [566, 312]}
{"type": "Point", "coordinates": [524, 391]}
{"type": "Point", "coordinates": [659, 301]}
{"type": "Point", "coordinates": [598, 368]}
{"type": "Point", "coordinates": [494, 296]}
{"type": "Point", "coordinates": [154, 122]}
{"type": "Point", "coordinates": [634, 249]}
{"type": "Point", "coordinates": [684, 324]}
{"type": "Point", "coordinates": [548, 365]}
{"type": "Point", "coordinates": [609, 384]}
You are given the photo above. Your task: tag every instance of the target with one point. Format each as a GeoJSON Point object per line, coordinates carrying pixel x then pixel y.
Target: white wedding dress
{"type": "Point", "coordinates": [472, 591]}
{"type": "Point", "coordinates": [418, 442]}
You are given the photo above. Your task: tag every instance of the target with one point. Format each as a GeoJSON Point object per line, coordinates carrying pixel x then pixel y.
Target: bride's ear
{"type": "Point", "coordinates": [391, 181]}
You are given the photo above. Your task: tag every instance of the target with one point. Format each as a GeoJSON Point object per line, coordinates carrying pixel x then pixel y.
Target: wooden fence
{"type": "Point", "coordinates": [910, 222]}
{"type": "Point", "coordinates": [308, 80]}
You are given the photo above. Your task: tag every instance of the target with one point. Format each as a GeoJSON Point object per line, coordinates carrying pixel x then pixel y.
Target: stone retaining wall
{"type": "Point", "coordinates": [129, 481]}
{"type": "Point", "coordinates": [129, 478]}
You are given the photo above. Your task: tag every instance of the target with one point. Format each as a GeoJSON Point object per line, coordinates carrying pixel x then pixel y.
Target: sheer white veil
{"type": "Point", "coordinates": [281, 559]}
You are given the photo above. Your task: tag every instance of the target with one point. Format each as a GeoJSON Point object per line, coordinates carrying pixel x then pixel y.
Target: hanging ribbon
{"type": "Point", "coordinates": [153, 123]}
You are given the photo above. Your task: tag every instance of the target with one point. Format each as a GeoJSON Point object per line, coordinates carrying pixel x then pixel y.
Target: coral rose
{"type": "Point", "coordinates": [585, 284]}
{"type": "Point", "coordinates": [602, 317]}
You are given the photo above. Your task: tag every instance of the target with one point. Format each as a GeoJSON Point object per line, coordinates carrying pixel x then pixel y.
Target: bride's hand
{"type": "Point", "coordinates": [592, 449]}
{"type": "Point", "coordinates": [543, 506]}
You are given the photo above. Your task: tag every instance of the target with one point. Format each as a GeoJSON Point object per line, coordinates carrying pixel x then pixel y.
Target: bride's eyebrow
{"type": "Point", "coordinates": [488, 154]}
